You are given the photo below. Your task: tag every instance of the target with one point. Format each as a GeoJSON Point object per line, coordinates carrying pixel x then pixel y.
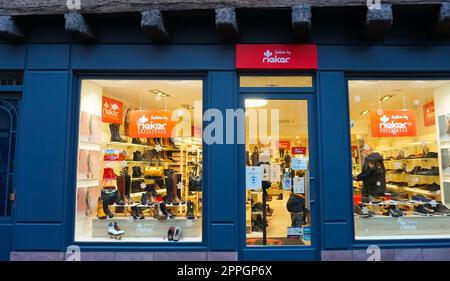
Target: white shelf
{"type": "Point", "coordinates": [89, 146]}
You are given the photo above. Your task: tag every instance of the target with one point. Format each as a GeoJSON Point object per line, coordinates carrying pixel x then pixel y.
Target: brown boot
{"type": "Point", "coordinates": [151, 142]}
{"type": "Point", "coordinates": [121, 187]}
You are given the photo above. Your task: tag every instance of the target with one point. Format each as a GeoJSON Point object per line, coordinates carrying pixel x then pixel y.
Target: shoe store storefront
{"type": "Point", "coordinates": [333, 148]}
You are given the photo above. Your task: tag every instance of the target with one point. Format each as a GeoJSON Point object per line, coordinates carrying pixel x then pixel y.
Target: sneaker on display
{"type": "Point", "coordinates": [114, 231]}
{"type": "Point", "coordinates": [422, 211]}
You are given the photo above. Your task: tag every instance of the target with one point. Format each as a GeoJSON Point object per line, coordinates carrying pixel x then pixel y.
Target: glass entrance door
{"type": "Point", "coordinates": [280, 191]}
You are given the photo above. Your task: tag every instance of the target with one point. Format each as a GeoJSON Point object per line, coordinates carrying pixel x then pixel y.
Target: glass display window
{"type": "Point", "coordinates": [400, 137]}
{"type": "Point", "coordinates": [139, 172]}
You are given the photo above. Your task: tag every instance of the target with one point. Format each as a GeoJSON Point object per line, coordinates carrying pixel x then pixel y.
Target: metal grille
{"type": "Point", "coordinates": [11, 79]}
{"type": "Point", "coordinates": [8, 133]}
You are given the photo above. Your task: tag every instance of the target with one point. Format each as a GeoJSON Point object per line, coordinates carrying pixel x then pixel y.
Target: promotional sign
{"type": "Point", "coordinates": [294, 232]}
{"type": "Point", "coordinates": [275, 172]}
{"type": "Point", "coordinates": [151, 124]}
{"type": "Point", "coordinates": [284, 145]}
{"type": "Point", "coordinates": [307, 233]}
{"type": "Point", "coordinates": [276, 56]}
{"type": "Point", "coordinates": [112, 110]}
{"type": "Point", "coordinates": [298, 150]}
{"type": "Point", "coordinates": [299, 164]}
{"type": "Point", "coordinates": [393, 123]}
{"type": "Point", "coordinates": [299, 185]}
{"type": "Point", "coordinates": [287, 183]}
{"type": "Point", "coordinates": [253, 177]}
{"type": "Point", "coordinates": [429, 114]}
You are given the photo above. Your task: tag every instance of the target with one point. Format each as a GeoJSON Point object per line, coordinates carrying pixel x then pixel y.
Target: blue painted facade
{"type": "Point", "coordinates": [43, 217]}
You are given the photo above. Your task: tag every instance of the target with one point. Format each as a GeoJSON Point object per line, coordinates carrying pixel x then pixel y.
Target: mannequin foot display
{"type": "Point", "coordinates": [114, 231]}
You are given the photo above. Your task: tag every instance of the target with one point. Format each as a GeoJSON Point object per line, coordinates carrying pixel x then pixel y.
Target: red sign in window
{"type": "Point", "coordinates": [393, 123]}
{"type": "Point", "coordinates": [276, 56]}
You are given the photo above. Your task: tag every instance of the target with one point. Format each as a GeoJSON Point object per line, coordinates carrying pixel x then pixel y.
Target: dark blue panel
{"type": "Point", "coordinates": [265, 26]}
{"type": "Point", "coordinates": [6, 241]}
{"type": "Point", "coordinates": [41, 147]}
{"type": "Point", "coordinates": [46, 29]}
{"type": "Point", "coordinates": [12, 56]}
{"type": "Point", "coordinates": [353, 58]}
{"type": "Point", "coordinates": [223, 237]}
{"type": "Point", "coordinates": [337, 235]}
{"type": "Point", "coordinates": [153, 57]}
{"type": "Point", "coordinates": [267, 254]}
{"type": "Point", "coordinates": [48, 57]}
{"type": "Point", "coordinates": [334, 146]}
{"type": "Point", "coordinates": [37, 237]}
{"type": "Point", "coordinates": [222, 157]}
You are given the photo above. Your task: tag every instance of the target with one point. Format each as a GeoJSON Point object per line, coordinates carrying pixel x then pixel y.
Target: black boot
{"type": "Point", "coordinates": [172, 144]}
{"type": "Point", "coordinates": [137, 156]}
{"type": "Point", "coordinates": [136, 141]}
{"type": "Point", "coordinates": [176, 179]}
{"type": "Point", "coordinates": [137, 172]}
{"type": "Point", "coordinates": [115, 136]}
{"type": "Point", "coordinates": [106, 209]}
{"type": "Point", "coordinates": [190, 210]}
{"type": "Point", "coordinates": [165, 211]}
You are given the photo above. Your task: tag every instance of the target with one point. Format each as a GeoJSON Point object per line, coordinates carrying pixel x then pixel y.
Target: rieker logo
{"type": "Point", "coordinates": [150, 127]}
{"type": "Point", "coordinates": [394, 127]}
{"type": "Point", "coordinates": [111, 110]}
{"type": "Point", "coordinates": [278, 56]}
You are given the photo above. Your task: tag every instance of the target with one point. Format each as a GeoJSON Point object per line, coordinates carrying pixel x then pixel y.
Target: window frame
{"type": "Point", "coordinates": [74, 146]}
{"type": "Point", "coordinates": [401, 241]}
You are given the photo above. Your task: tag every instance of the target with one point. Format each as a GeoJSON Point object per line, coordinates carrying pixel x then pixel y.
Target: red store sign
{"type": "Point", "coordinates": [276, 56]}
{"type": "Point", "coordinates": [299, 150]}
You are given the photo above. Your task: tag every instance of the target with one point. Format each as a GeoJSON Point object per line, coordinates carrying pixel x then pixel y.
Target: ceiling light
{"type": "Point", "coordinates": [159, 93]}
{"type": "Point", "coordinates": [187, 106]}
{"type": "Point", "coordinates": [364, 112]}
{"type": "Point", "coordinates": [255, 103]}
{"type": "Point", "coordinates": [386, 97]}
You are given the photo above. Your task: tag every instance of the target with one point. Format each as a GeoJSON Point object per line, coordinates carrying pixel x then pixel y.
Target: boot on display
{"type": "Point", "coordinates": [137, 156]}
{"type": "Point", "coordinates": [190, 210]}
{"type": "Point", "coordinates": [115, 136]}
{"type": "Point", "coordinates": [136, 141]}
{"type": "Point", "coordinates": [100, 213]}
{"type": "Point", "coordinates": [137, 172]}
{"type": "Point", "coordinates": [106, 209]}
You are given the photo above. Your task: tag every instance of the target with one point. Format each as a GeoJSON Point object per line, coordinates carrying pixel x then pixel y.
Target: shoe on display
{"type": "Point", "coordinates": [100, 213]}
{"type": "Point", "coordinates": [136, 141]}
{"type": "Point", "coordinates": [422, 211]}
{"type": "Point", "coordinates": [137, 213]}
{"type": "Point", "coordinates": [170, 233]}
{"type": "Point", "coordinates": [440, 209]}
{"type": "Point", "coordinates": [115, 136]}
{"type": "Point", "coordinates": [257, 208]}
{"type": "Point", "coordinates": [433, 187]}
{"type": "Point", "coordinates": [420, 198]}
{"type": "Point", "coordinates": [363, 212]}
{"type": "Point", "coordinates": [190, 210]}
{"type": "Point", "coordinates": [114, 231]}
{"type": "Point", "coordinates": [177, 234]}
{"type": "Point", "coordinates": [137, 172]}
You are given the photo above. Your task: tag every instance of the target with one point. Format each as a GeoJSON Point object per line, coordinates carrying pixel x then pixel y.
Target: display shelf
{"type": "Point", "coordinates": [413, 190]}
{"type": "Point", "coordinates": [128, 144]}
{"type": "Point", "coordinates": [412, 159]}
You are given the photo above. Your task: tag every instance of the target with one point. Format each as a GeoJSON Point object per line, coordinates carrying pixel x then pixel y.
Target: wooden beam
{"type": "Point", "coordinates": [226, 24]}
{"type": "Point", "coordinates": [301, 22]}
{"type": "Point", "coordinates": [378, 22]}
{"type": "Point", "coordinates": [10, 31]}
{"type": "Point", "coordinates": [442, 27]}
{"type": "Point", "coordinates": [34, 7]}
{"type": "Point", "coordinates": [153, 23]}
{"type": "Point", "coordinates": [78, 28]}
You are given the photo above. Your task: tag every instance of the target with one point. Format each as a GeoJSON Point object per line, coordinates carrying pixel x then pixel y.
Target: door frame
{"type": "Point", "coordinates": [278, 253]}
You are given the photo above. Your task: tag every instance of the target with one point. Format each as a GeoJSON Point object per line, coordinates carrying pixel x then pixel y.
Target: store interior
{"type": "Point", "coordinates": [408, 185]}
{"type": "Point", "coordinates": [283, 218]}
{"type": "Point", "coordinates": [139, 189]}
